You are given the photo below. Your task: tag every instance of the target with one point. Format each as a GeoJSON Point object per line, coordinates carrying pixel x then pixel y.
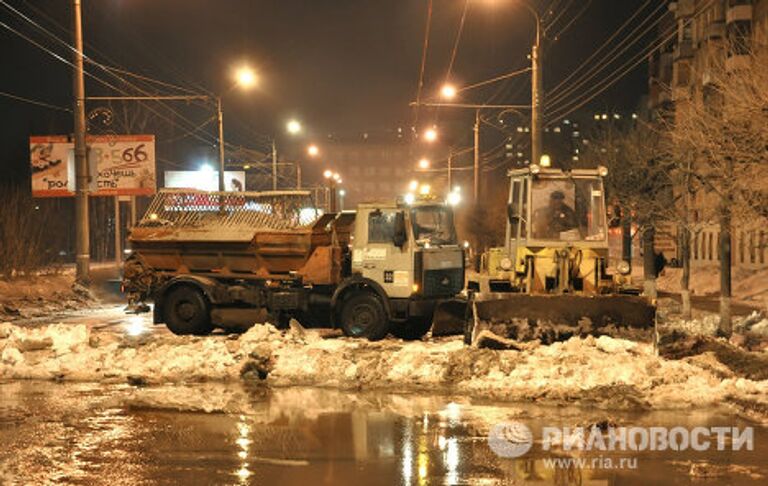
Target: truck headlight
{"type": "Point", "coordinates": [506, 264]}
{"type": "Point", "coordinates": [624, 268]}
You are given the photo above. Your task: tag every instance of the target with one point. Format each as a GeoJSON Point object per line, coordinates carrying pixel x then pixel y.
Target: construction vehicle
{"type": "Point", "coordinates": [229, 260]}
{"type": "Point", "coordinates": [550, 280]}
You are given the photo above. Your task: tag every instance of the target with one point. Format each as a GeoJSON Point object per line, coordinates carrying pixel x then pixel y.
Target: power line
{"type": "Point", "coordinates": [628, 42]}
{"type": "Point", "coordinates": [606, 83]}
{"type": "Point", "coordinates": [457, 40]}
{"type": "Point", "coordinates": [424, 49]}
{"type": "Point", "coordinates": [573, 20]}
{"type": "Point", "coordinates": [597, 69]}
{"type": "Point", "coordinates": [34, 102]}
{"type": "Point", "coordinates": [208, 140]}
{"type": "Point", "coordinates": [627, 67]}
{"type": "Point", "coordinates": [602, 46]}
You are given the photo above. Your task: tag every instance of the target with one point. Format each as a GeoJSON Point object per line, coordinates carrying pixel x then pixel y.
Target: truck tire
{"type": "Point", "coordinates": [186, 311]}
{"type": "Point", "coordinates": [363, 315]}
{"type": "Point", "coordinates": [413, 329]}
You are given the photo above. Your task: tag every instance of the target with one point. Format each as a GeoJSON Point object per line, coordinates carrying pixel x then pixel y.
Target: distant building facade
{"type": "Point", "coordinates": [682, 68]}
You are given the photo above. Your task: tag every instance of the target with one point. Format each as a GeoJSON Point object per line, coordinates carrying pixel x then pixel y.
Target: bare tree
{"type": "Point", "coordinates": [720, 139]}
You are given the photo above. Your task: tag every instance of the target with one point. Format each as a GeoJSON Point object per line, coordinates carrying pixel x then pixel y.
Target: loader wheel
{"type": "Point", "coordinates": [413, 329]}
{"type": "Point", "coordinates": [363, 315]}
{"type": "Point", "coordinates": [186, 311]}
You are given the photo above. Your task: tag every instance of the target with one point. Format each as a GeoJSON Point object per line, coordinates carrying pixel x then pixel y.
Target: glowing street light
{"type": "Point", "coordinates": [246, 77]}
{"type": "Point", "coordinates": [328, 174]}
{"type": "Point", "coordinates": [425, 189]}
{"type": "Point", "coordinates": [430, 135]}
{"type": "Point", "coordinates": [413, 185]}
{"type": "Point", "coordinates": [448, 91]}
{"type": "Point", "coordinates": [313, 150]}
{"type": "Point", "coordinates": [424, 163]}
{"type": "Point", "coordinates": [293, 127]}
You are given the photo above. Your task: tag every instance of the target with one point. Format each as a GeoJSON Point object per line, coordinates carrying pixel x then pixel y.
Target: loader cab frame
{"type": "Point", "coordinates": [531, 212]}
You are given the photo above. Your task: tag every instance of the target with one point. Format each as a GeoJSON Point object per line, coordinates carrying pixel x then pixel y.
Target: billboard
{"type": "Point", "coordinates": [120, 165]}
{"type": "Point", "coordinates": [205, 180]}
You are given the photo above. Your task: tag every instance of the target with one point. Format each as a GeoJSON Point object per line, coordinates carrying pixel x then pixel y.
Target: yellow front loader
{"type": "Point", "coordinates": [550, 280]}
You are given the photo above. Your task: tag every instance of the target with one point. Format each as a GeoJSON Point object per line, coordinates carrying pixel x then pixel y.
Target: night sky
{"type": "Point", "coordinates": [342, 67]}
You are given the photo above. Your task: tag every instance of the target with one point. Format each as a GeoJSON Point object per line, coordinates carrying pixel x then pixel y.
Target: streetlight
{"type": "Point", "coordinates": [424, 163]}
{"type": "Point", "coordinates": [413, 185]}
{"type": "Point", "coordinates": [313, 150]}
{"type": "Point", "coordinates": [246, 77]}
{"type": "Point", "coordinates": [448, 91]}
{"type": "Point", "coordinates": [293, 127]}
{"type": "Point", "coordinates": [430, 135]}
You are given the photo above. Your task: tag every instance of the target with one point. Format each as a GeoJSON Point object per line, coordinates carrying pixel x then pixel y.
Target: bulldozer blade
{"type": "Point", "coordinates": [450, 317]}
{"type": "Point", "coordinates": [550, 318]}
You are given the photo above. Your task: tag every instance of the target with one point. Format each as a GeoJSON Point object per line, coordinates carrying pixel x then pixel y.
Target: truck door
{"type": "Point", "coordinates": [377, 257]}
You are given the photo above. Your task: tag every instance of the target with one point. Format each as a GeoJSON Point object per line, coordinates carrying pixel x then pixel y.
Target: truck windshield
{"type": "Point", "coordinates": [568, 209]}
{"type": "Point", "coordinates": [433, 225]}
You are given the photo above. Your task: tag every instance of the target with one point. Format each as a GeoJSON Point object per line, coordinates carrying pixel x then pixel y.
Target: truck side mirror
{"type": "Point", "coordinates": [400, 235]}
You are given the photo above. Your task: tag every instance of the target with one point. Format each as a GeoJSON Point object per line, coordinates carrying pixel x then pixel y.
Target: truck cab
{"type": "Point", "coordinates": [408, 254]}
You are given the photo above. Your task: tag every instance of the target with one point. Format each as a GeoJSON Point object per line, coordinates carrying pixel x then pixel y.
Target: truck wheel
{"type": "Point", "coordinates": [363, 315]}
{"type": "Point", "coordinates": [186, 311]}
{"type": "Point", "coordinates": [413, 329]}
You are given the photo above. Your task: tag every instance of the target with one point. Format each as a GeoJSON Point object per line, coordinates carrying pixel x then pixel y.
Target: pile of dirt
{"type": "Point", "coordinates": [745, 364]}
{"type": "Point", "coordinates": [40, 296]}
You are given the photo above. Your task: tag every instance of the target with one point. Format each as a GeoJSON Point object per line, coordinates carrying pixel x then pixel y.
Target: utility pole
{"type": "Point", "coordinates": [537, 94]}
{"type": "Point", "coordinates": [220, 116]}
{"type": "Point", "coordinates": [82, 179]}
{"type": "Point", "coordinates": [298, 176]}
{"type": "Point", "coordinates": [476, 181]}
{"type": "Point", "coordinates": [274, 165]}
{"type": "Point", "coordinates": [450, 169]}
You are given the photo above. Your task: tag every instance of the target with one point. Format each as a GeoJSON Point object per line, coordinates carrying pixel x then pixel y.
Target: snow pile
{"type": "Point", "coordinates": [600, 371]}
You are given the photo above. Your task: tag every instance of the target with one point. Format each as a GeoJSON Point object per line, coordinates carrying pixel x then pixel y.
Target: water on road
{"type": "Point", "coordinates": [116, 434]}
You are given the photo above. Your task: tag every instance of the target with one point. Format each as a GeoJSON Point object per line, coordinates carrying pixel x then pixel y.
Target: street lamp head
{"type": "Point", "coordinates": [293, 127]}
{"type": "Point", "coordinates": [327, 174]}
{"type": "Point", "coordinates": [246, 77]}
{"type": "Point", "coordinates": [336, 177]}
{"type": "Point", "coordinates": [424, 164]}
{"type": "Point", "coordinates": [448, 91]}
{"type": "Point", "coordinates": [313, 150]}
{"type": "Point", "coordinates": [430, 135]}
{"type": "Point", "coordinates": [414, 185]}
{"type": "Point", "coordinates": [342, 192]}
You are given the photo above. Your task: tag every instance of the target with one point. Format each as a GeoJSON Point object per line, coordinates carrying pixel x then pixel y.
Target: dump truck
{"type": "Point", "coordinates": [227, 260]}
{"type": "Point", "coordinates": [550, 280]}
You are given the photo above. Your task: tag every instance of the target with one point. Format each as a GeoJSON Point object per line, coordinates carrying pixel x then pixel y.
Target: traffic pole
{"type": "Point", "coordinates": [220, 116]}
{"type": "Point", "coordinates": [82, 178]}
{"type": "Point", "coordinates": [537, 97]}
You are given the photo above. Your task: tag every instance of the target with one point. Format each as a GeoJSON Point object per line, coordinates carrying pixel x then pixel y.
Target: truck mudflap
{"type": "Point", "coordinates": [450, 317]}
{"type": "Point", "coordinates": [550, 318]}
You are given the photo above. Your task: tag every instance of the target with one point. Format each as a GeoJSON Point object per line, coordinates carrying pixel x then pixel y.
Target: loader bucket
{"type": "Point", "coordinates": [550, 318]}
{"type": "Point", "coordinates": [450, 317]}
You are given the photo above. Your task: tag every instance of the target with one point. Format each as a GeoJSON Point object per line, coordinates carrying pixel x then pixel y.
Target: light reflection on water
{"type": "Point", "coordinates": [87, 434]}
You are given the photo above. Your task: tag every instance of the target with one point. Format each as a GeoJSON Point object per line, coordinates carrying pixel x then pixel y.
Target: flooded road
{"type": "Point", "coordinates": [117, 434]}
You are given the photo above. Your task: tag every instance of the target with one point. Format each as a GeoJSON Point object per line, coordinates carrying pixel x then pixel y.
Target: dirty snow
{"type": "Point", "coordinates": [602, 371]}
